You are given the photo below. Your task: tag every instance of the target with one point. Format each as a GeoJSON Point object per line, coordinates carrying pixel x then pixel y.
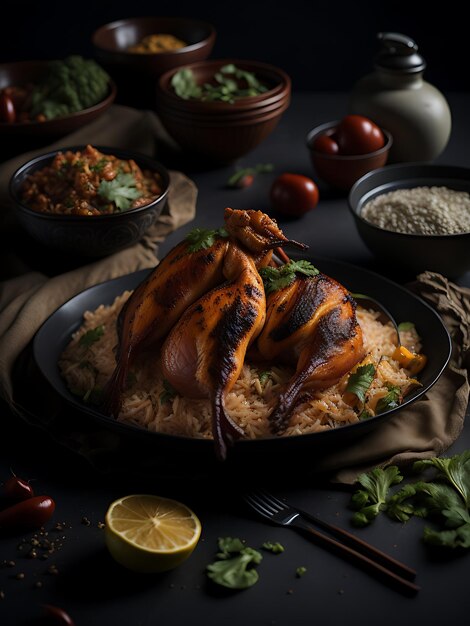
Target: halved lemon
{"type": "Point", "coordinates": [147, 533]}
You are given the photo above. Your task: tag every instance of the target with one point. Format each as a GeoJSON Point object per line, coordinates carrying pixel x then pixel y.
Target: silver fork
{"type": "Point", "coordinates": [353, 548]}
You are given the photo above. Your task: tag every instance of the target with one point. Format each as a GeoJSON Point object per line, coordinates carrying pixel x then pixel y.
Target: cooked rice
{"type": "Point", "coordinates": [251, 400]}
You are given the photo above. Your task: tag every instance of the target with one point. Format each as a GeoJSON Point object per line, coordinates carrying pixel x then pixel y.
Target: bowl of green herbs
{"type": "Point", "coordinates": [222, 109]}
{"type": "Point", "coordinates": [41, 101]}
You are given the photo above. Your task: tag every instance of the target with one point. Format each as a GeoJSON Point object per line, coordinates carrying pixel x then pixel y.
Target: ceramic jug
{"type": "Point", "coordinates": [396, 97]}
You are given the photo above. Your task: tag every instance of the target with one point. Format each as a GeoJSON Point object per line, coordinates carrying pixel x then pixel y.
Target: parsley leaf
{"type": "Point", "coordinates": [403, 326]}
{"type": "Point", "coordinates": [235, 565]}
{"type": "Point", "coordinates": [121, 190]}
{"type": "Point", "coordinates": [275, 278]}
{"type": "Point", "coordinates": [300, 571]}
{"type": "Point", "coordinates": [203, 238]}
{"type": "Point", "coordinates": [389, 401]}
{"type": "Point", "coordinates": [91, 336]}
{"type": "Point", "coordinates": [235, 179]}
{"type": "Point", "coordinates": [370, 500]}
{"type": "Point", "coordinates": [455, 469]}
{"type": "Point", "coordinates": [360, 381]}
{"type": "Point", "coordinates": [263, 377]}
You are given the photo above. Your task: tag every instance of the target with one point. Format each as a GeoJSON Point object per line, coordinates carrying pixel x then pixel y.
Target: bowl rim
{"type": "Point", "coordinates": [179, 51]}
{"type": "Point", "coordinates": [284, 85]}
{"type": "Point", "coordinates": [319, 130]}
{"type": "Point", "coordinates": [102, 104]}
{"type": "Point", "coordinates": [120, 153]}
{"type": "Point", "coordinates": [353, 207]}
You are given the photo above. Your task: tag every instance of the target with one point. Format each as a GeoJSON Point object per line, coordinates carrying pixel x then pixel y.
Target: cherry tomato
{"type": "Point", "coordinates": [293, 194]}
{"type": "Point", "coordinates": [7, 109]}
{"type": "Point", "coordinates": [358, 135]}
{"type": "Point", "coordinates": [28, 514]}
{"type": "Point", "coordinates": [325, 144]}
{"type": "Point", "coordinates": [17, 489]}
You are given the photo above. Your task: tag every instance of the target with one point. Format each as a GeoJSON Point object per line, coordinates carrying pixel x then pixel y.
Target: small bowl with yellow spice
{"type": "Point", "coordinates": [136, 51]}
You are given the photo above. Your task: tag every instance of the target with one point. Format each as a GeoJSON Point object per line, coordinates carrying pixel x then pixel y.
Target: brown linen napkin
{"type": "Point", "coordinates": [27, 296]}
{"type": "Point", "coordinates": [432, 423]}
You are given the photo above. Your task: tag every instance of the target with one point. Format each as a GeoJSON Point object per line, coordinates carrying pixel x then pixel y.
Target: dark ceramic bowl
{"type": "Point", "coordinates": [24, 72]}
{"type": "Point", "coordinates": [340, 170]}
{"type": "Point", "coordinates": [88, 236]}
{"type": "Point", "coordinates": [222, 131]}
{"type": "Point", "coordinates": [447, 254]}
{"type": "Point", "coordinates": [277, 81]}
{"type": "Point", "coordinates": [136, 74]}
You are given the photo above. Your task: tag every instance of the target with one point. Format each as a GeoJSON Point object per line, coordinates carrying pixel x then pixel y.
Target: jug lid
{"type": "Point", "coordinates": [399, 53]}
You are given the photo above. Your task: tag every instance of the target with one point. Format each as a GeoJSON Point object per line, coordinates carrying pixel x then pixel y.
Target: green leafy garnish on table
{"type": "Point", "coordinates": [360, 381]}
{"type": "Point", "coordinates": [203, 238]}
{"type": "Point", "coordinates": [275, 278]}
{"type": "Point", "coordinates": [234, 567]}
{"type": "Point", "coordinates": [230, 83]}
{"type": "Point", "coordinates": [300, 571]}
{"type": "Point", "coordinates": [445, 500]}
{"type": "Point", "coordinates": [275, 548]}
{"type": "Point", "coordinates": [121, 190]}
{"type": "Point", "coordinates": [91, 336]}
{"type": "Point", "coordinates": [372, 498]}
{"type": "Point", "coordinates": [239, 178]}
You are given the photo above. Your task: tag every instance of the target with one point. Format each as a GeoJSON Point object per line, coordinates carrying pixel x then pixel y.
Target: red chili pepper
{"type": "Point", "coordinates": [28, 514]}
{"type": "Point", "coordinates": [17, 489]}
{"type": "Point", "coordinates": [57, 616]}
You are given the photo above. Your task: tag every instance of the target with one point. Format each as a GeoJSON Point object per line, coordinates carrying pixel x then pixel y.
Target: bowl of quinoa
{"type": "Point", "coordinates": [415, 216]}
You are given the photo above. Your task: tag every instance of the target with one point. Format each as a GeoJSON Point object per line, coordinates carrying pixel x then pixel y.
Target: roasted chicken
{"type": "Point", "coordinates": [310, 324]}
{"type": "Point", "coordinates": [190, 270]}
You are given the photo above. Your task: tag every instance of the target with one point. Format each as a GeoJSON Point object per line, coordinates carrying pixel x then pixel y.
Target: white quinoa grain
{"type": "Point", "coordinates": [421, 211]}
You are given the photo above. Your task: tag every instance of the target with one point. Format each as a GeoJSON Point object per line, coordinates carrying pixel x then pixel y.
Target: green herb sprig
{"type": "Point", "coordinates": [203, 238]}
{"type": "Point", "coordinates": [121, 190]}
{"type": "Point", "coordinates": [275, 278]}
{"type": "Point", "coordinates": [91, 336]}
{"type": "Point", "coordinates": [234, 567]}
{"type": "Point", "coordinates": [244, 176]}
{"type": "Point", "coordinates": [360, 381]}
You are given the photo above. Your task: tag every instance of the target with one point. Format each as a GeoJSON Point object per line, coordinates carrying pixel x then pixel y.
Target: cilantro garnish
{"type": "Point", "coordinates": [91, 336]}
{"type": "Point", "coordinates": [275, 278]}
{"type": "Point", "coordinates": [403, 326]}
{"type": "Point", "coordinates": [445, 500]}
{"type": "Point", "coordinates": [300, 571]}
{"type": "Point", "coordinates": [234, 567]}
{"type": "Point", "coordinates": [121, 190]}
{"type": "Point", "coordinates": [360, 381]}
{"type": "Point", "coordinates": [99, 165]}
{"type": "Point", "coordinates": [263, 377]}
{"type": "Point", "coordinates": [372, 499]}
{"type": "Point", "coordinates": [202, 238]}
{"type": "Point", "coordinates": [389, 401]}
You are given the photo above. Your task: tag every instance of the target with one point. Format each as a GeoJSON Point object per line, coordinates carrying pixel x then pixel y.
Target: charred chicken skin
{"type": "Point", "coordinates": [312, 325]}
{"type": "Point", "coordinates": [190, 270]}
{"type": "Point", "coordinates": [204, 353]}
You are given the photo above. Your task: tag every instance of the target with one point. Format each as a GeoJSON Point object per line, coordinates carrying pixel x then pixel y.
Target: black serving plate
{"type": "Point", "coordinates": [197, 454]}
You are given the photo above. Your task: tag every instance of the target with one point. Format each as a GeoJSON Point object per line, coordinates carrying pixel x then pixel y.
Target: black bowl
{"type": "Point", "coordinates": [446, 254]}
{"type": "Point", "coordinates": [88, 236]}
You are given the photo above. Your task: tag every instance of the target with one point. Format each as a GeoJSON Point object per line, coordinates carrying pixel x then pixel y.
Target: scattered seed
{"type": "Point", "coordinates": [19, 576]}
{"type": "Point", "coordinates": [290, 592]}
{"type": "Point", "coordinates": [43, 557]}
{"type": "Point", "coordinates": [38, 584]}
{"type": "Point", "coordinates": [2, 595]}
{"type": "Point", "coordinates": [32, 554]}
{"type": "Point", "coordinates": [52, 569]}
{"type": "Point", "coordinates": [86, 521]}
{"type": "Point", "coordinates": [11, 563]}
{"type": "Point", "coordinates": [101, 525]}
{"type": "Point", "coordinates": [58, 526]}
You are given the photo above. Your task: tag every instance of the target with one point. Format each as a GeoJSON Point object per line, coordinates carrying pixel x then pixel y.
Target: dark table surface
{"type": "Point", "coordinates": [95, 591]}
